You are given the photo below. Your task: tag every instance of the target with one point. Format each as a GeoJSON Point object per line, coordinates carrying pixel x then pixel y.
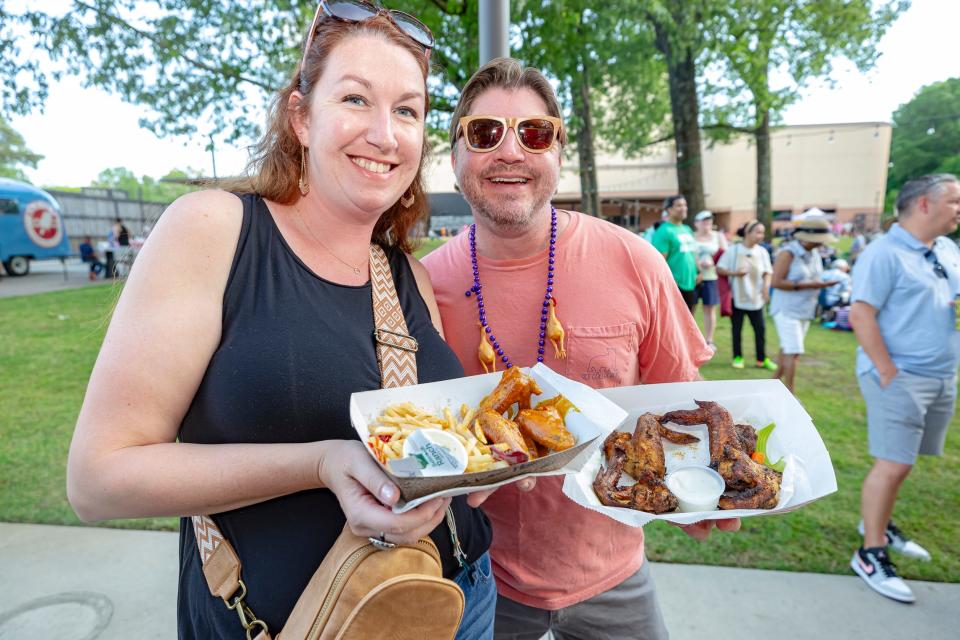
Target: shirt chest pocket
{"type": "Point", "coordinates": [603, 356]}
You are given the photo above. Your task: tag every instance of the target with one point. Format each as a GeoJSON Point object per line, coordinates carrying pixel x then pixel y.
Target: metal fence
{"type": "Point", "coordinates": [93, 212]}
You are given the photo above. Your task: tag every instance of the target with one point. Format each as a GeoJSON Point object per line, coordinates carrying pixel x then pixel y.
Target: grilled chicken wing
{"type": "Point", "coordinates": [750, 485]}
{"type": "Point", "coordinates": [641, 456]}
{"type": "Point", "coordinates": [515, 387]}
{"type": "Point", "coordinates": [719, 426]}
{"type": "Point", "coordinates": [498, 429]}
{"type": "Point", "coordinates": [649, 494]}
{"type": "Point", "coordinates": [546, 428]}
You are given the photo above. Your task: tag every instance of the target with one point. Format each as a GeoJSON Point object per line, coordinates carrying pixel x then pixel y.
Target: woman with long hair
{"type": "Point", "coordinates": [222, 387]}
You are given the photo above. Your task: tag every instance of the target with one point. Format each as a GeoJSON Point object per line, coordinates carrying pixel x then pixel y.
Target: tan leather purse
{"type": "Point", "coordinates": [360, 591]}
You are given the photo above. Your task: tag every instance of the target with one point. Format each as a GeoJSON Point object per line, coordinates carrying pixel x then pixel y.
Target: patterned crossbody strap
{"type": "Point", "coordinates": [221, 569]}
{"type": "Point", "coordinates": [396, 348]}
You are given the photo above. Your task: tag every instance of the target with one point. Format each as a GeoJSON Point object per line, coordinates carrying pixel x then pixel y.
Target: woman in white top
{"type": "Point", "coordinates": [707, 291]}
{"type": "Point", "coordinates": [797, 279]}
{"type": "Point", "coordinates": [747, 265]}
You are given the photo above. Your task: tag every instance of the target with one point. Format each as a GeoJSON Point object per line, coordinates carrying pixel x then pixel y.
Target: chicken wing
{"type": "Point", "coordinates": [719, 426]}
{"type": "Point", "coordinates": [515, 387]}
{"type": "Point", "coordinates": [498, 429]}
{"type": "Point", "coordinates": [750, 485]}
{"type": "Point", "coordinates": [641, 456]}
{"type": "Point", "coordinates": [546, 428]}
{"type": "Point", "coordinates": [649, 494]}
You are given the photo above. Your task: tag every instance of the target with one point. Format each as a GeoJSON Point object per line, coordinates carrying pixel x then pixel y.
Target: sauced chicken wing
{"type": "Point", "coordinates": [498, 429]}
{"type": "Point", "coordinates": [546, 428]}
{"type": "Point", "coordinates": [515, 387]}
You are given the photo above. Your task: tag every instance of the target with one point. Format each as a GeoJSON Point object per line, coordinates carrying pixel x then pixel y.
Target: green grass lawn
{"type": "Point", "coordinates": [48, 344]}
{"type": "Point", "coordinates": [427, 245]}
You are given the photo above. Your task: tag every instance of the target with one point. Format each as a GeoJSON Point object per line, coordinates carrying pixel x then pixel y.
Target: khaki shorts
{"type": "Point", "coordinates": [627, 611]}
{"type": "Point", "coordinates": [908, 417]}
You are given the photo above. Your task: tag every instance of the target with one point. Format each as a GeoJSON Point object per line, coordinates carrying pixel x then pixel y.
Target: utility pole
{"type": "Point", "coordinates": [213, 158]}
{"type": "Point", "coordinates": [494, 29]}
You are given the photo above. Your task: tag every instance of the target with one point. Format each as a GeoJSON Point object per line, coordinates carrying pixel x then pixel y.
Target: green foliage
{"type": "Point", "coordinates": [613, 49]}
{"type": "Point", "coordinates": [166, 189]}
{"type": "Point", "coordinates": [926, 134]}
{"type": "Point", "coordinates": [798, 39]}
{"type": "Point", "coordinates": [194, 64]}
{"type": "Point", "coordinates": [14, 154]}
{"type": "Point", "coordinates": [186, 61]}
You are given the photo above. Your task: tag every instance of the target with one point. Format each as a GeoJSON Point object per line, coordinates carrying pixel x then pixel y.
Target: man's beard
{"type": "Point", "coordinates": [514, 213]}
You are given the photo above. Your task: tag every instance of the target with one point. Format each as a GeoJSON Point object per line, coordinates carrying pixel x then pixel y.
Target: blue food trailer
{"type": "Point", "coordinates": [31, 227]}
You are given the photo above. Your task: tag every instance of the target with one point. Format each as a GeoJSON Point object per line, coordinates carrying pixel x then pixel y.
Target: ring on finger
{"type": "Point", "coordinates": [381, 542]}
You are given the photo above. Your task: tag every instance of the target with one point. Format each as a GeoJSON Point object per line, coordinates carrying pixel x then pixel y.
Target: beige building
{"type": "Point", "coordinates": [839, 168]}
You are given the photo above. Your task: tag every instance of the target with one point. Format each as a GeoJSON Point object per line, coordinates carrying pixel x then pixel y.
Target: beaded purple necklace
{"type": "Point", "coordinates": [477, 289]}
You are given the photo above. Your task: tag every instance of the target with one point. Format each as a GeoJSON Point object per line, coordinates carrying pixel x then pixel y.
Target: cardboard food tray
{"type": "Point", "coordinates": [808, 475]}
{"type": "Point", "coordinates": [597, 417]}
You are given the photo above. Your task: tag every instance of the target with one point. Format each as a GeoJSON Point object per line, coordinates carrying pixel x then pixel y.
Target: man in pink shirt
{"type": "Point", "coordinates": [523, 270]}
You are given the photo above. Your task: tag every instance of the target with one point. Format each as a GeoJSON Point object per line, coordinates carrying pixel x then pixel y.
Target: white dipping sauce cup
{"type": "Point", "coordinates": [696, 488]}
{"type": "Point", "coordinates": [446, 440]}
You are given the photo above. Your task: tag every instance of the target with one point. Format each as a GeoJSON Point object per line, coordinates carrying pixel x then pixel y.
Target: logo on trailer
{"type": "Point", "coordinates": [43, 224]}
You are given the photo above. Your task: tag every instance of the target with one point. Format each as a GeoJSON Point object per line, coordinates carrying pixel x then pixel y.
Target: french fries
{"type": "Point", "coordinates": [398, 421]}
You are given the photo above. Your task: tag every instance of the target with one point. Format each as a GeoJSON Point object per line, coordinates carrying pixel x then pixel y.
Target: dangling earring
{"type": "Point", "coordinates": [304, 187]}
{"type": "Point", "coordinates": [407, 199]}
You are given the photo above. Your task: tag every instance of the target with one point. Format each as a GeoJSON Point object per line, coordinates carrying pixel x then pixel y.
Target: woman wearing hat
{"type": "Point", "coordinates": [709, 242]}
{"type": "Point", "coordinates": [797, 278]}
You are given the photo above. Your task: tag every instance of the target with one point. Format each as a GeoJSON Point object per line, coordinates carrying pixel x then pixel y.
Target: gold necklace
{"type": "Point", "coordinates": [303, 221]}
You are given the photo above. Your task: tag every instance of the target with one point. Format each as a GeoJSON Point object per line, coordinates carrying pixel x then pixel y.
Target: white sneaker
{"type": "Point", "coordinates": [900, 543]}
{"type": "Point", "coordinates": [874, 566]}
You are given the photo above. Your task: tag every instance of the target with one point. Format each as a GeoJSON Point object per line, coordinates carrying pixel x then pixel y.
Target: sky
{"type": "Point", "coordinates": [83, 131]}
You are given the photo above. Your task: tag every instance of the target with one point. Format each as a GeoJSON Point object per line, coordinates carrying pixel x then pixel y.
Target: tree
{"type": "Point", "coordinates": [610, 81]}
{"type": "Point", "coordinates": [189, 62]}
{"type": "Point", "coordinates": [166, 189]}
{"type": "Point", "coordinates": [680, 39]}
{"type": "Point", "coordinates": [194, 64]}
{"type": "Point", "coordinates": [800, 39]}
{"type": "Point", "coordinates": [926, 134]}
{"type": "Point", "coordinates": [14, 154]}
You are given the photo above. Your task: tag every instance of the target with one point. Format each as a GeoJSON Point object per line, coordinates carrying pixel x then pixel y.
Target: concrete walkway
{"type": "Point", "coordinates": [73, 583]}
{"type": "Point", "coordinates": [48, 275]}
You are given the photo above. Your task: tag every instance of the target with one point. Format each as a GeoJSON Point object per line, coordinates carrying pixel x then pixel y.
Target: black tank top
{"type": "Point", "coordinates": [293, 348]}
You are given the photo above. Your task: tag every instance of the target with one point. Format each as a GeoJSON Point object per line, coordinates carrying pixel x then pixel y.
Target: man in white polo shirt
{"type": "Point", "coordinates": [905, 287]}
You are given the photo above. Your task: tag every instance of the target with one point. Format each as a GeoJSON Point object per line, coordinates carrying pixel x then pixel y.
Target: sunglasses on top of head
{"type": "Point", "coordinates": [361, 11]}
{"type": "Point", "coordinates": [535, 134]}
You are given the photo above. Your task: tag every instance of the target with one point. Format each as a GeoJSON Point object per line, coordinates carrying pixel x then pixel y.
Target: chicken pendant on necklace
{"type": "Point", "coordinates": [555, 332]}
{"type": "Point", "coordinates": [485, 352]}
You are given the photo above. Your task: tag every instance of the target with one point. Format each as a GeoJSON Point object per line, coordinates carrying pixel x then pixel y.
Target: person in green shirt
{"type": "Point", "coordinates": [675, 241]}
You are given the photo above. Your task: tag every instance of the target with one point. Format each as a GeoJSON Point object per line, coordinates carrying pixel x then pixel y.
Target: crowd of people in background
{"type": "Point", "coordinates": [744, 276]}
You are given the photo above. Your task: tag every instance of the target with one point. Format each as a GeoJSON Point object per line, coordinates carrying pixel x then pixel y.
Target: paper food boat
{"type": "Point", "coordinates": [808, 475]}
{"type": "Point", "coordinates": [598, 416]}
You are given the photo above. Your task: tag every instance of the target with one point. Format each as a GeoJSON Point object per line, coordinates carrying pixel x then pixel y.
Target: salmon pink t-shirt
{"type": "Point", "coordinates": [625, 324]}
